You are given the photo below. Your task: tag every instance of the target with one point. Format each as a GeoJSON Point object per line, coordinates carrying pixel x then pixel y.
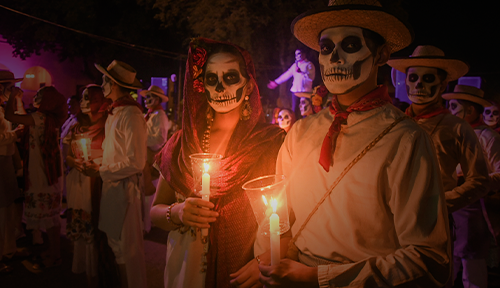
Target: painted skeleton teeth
{"type": "Point", "coordinates": [339, 74]}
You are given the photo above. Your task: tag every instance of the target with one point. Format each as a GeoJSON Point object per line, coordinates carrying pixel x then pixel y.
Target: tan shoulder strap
{"type": "Point", "coordinates": [294, 249]}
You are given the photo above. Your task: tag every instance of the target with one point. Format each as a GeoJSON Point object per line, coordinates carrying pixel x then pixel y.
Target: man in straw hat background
{"type": "Point", "coordinates": [475, 221]}
{"type": "Point", "coordinates": [9, 190]}
{"type": "Point", "coordinates": [158, 126]}
{"type": "Point", "coordinates": [384, 221]}
{"type": "Point", "coordinates": [123, 161]}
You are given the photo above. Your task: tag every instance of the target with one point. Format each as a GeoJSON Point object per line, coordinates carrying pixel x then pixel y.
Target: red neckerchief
{"type": "Point", "coordinates": [146, 117]}
{"type": "Point", "coordinates": [477, 123]}
{"type": "Point", "coordinates": [377, 98]}
{"type": "Point", "coordinates": [429, 113]}
{"type": "Point", "coordinates": [123, 101]}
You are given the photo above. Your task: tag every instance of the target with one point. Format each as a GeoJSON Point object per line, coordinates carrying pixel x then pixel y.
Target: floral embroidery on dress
{"type": "Point", "coordinates": [79, 225]}
{"type": "Point", "coordinates": [38, 130]}
{"type": "Point", "coordinates": [47, 202]}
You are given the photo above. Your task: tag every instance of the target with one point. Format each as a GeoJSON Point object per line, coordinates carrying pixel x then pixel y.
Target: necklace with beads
{"type": "Point", "coordinates": [205, 142]}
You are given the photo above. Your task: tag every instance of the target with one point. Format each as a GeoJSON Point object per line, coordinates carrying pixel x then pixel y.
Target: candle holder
{"type": "Point", "coordinates": [262, 192]}
{"type": "Point", "coordinates": [205, 168]}
{"type": "Point", "coordinates": [81, 146]}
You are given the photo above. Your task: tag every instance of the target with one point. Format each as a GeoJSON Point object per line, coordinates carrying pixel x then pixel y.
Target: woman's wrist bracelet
{"type": "Point", "coordinates": [168, 215]}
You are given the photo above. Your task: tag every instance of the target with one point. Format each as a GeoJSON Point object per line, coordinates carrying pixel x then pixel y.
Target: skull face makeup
{"type": "Point", "coordinates": [456, 108]}
{"type": "Point", "coordinates": [345, 60]}
{"type": "Point", "coordinates": [151, 100]}
{"type": "Point", "coordinates": [491, 115]}
{"type": "Point", "coordinates": [37, 99]}
{"type": "Point", "coordinates": [106, 85]}
{"type": "Point", "coordinates": [298, 55]}
{"type": "Point", "coordinates": [92, 100]}
{"type": "Point", "coordinates": [85, 102]}
{"type": "Point", "coordinates": [224, 82]}
{"type": "Point", "coordinates": [422, 84]}
{"type": "Point", "coordinates": [284, 120]}
{"type": "Point", "coordinates": [305, 106]}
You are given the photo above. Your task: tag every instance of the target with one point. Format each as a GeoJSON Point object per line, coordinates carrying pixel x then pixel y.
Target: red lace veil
{"type": "Point", "coordinates": [251, 152]}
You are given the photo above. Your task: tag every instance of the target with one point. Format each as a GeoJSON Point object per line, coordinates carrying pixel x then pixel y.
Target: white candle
{"type": "Point", "coordinates": [83, 141]}
{"type": "Point", "coordinates": [205, 191]}
{"type": "Point", "coordinates": [274, 222]}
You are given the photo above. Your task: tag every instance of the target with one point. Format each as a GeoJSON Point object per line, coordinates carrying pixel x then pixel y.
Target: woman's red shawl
{"type": "Point", "coordinates": [251, 152]}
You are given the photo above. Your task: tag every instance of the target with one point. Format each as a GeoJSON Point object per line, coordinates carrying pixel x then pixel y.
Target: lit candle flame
{"type": "Point", "coordinates": [265, 200]}
{"type": "Point", "coordinates": [84, 141]}
{"type": "Point", "coordinates": [206, 167]}
{"type": "Point", "coordinates": [274, 204]}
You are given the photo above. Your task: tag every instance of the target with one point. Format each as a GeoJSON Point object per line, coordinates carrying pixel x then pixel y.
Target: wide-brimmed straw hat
{"type": "Point", "coordinates": [155, 90]}
{"type": "Point", "coordinates": [368, 14]}
{"type": "Point", "coordinates": [6, 77]}
{"type": "Point", "coordinates": [122, 73]}
{"type": "Point", "coordinates": [433, 57]}
{"type": "Point", "coordinates": [469, 93]}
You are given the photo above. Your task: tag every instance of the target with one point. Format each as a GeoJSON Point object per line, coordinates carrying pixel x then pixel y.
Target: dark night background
{"type": "Point", "coordinates": [468, 30]}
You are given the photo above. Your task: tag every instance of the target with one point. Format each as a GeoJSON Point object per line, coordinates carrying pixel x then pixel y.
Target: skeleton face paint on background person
{"type": "Point", "coordinates": [224, 82]}
{"type": "Point", "coordinates": [5, 90]}
{"type": "Point", "coordinates": [106, 85]}
{"type": "Point", "coordinates": [285, 120]}
{"type": "Point", "coordinates": [92, 100]}
{"type": "Point", "coordinates": [298, 56]}
{"type": "Point", "coordinates": [423, 84]}
{"type": "Point", "coordinates": [491, 115]}
{"type": "Point", "coordinates": [345, 59]}
{"type": "Point", "coordinates": [151, 100]}
{"type": "Point", "coordinates": [456, 108]}
{"type": "Point", "coordinates": [305, 107]}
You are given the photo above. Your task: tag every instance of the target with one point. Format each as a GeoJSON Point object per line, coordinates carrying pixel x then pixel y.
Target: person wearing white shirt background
{"type": "Point", "coordinates": [158, 126]}
{"type": "Point", "coordinates": [124, 158]}
{"type": "Point", "coordinates": [303, 74]}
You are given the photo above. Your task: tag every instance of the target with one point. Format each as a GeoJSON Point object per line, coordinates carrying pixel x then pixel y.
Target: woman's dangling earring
{"type": "Point", "coordinates": [246, 109]}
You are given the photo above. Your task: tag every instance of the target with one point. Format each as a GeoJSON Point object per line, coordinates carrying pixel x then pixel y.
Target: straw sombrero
{"type": "Point", "coordinates": [469, 93]}
{"type": "Point", "coordinates": [122, 73]}
{"type": "Point", "coordinates": [430, 56]}
{"type": "Point", "coordinates": [6, 77]}
{"type": "Point", "coordinates": [157, 91]}
{"type": "Point", "coordinates": [368, 14]}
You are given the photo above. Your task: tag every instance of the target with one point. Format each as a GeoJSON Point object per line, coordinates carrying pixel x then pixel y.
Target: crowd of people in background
{"type": "Point", "coordinates": [378, 195]}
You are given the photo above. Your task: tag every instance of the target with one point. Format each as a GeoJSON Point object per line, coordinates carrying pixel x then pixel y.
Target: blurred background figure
{"type": "Point", "coordinates": [491, 115]}
{"type": "Point", "coordinates": [158, 126]}
{"type": "Point", "coordinates": [303, 73]}
{"type": "Point", "coordinates": [286, 118]}
{"type": "Point", "coordinates": [9, 190]}
{"type": "Point", "coordinates": [312, 102]}
{"type": "Point", "coordinates": [43, 167]}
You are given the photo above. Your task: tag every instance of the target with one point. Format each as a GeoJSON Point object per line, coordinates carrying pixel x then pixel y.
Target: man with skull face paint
{"type": "Point", "coordinates": [473, 221]}
{"type": "Point", "coordinates": [385, 222]}
{"type": "Point", "coordinates": [491, 116]}
{"type": "Point", "coordinates": [123, 162]}
{"type": "Point", "coordinates": [303, 73]}
{"type": "Point", "coordinates": [428, 72]}
{"type": "Point", "coordinates": [286, 118]}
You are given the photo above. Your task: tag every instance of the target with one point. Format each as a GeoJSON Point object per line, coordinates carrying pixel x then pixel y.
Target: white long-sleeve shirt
{"type": "Point", "coordinates": [158, 126]}
{"type": "Point", "coordinates": [303, 80]}
{"type": "Point", "coordinates": [386, 222]}
{"type": "Point", "coordinates": [125, 144]}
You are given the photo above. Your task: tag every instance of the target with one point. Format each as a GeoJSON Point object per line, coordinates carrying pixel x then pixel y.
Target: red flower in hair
{"type": "Point", "coordinates": [199, 57]}
{"type": "Point", "coordinates": [198, 86]}
{"type": "Point", "coordinates": [321, 91]}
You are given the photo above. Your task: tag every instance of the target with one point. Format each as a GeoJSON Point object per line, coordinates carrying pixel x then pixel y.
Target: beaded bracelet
{"type": "Point", "coordinates": [168, 215]}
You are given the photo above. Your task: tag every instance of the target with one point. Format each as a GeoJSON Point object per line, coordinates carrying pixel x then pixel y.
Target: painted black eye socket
{"type": "Point", "coordinates": [488, 112]}
{"type": "Point", "coordinates": [231, 78]}
{"type": "Point", "coordinates": [412, 77]}
{"type": "Point", "coordinates": [326, 46]}
{"type": "Point", "coordinates": [496, 113]}
{"type": "Point", "coordinates": [453, 106]}
{"type": "Point", "coordinates": [429, 78]}
{"type": "Point", "coordinates": [351, 44]}
{"type": "Point", "coordinates": [211, 79]}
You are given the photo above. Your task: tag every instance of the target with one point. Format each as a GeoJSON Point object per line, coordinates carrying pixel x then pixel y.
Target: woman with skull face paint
{"type": "Point", "coordinates": [90, 245]}
{"type": "Point", "coordinates": [42, 166]}
{"type": "Point", "coordinates": [286, 119]}
{"type": "Point", "coordinates": [476, 221]}
{"type": "Point", "coordinates": [222, 114]}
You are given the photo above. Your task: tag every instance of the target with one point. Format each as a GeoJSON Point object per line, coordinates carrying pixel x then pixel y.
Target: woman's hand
{"type": "Point", "coordinates": [289, 273]}
{"type": "Point", "coordinates": [91, 169]}
{"type": "Point", "coordinates": [75, 163]}
{"type": "Point", "coordinates": [247, 276]}
{"type": "Point", "coordinates": [195, 212]}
